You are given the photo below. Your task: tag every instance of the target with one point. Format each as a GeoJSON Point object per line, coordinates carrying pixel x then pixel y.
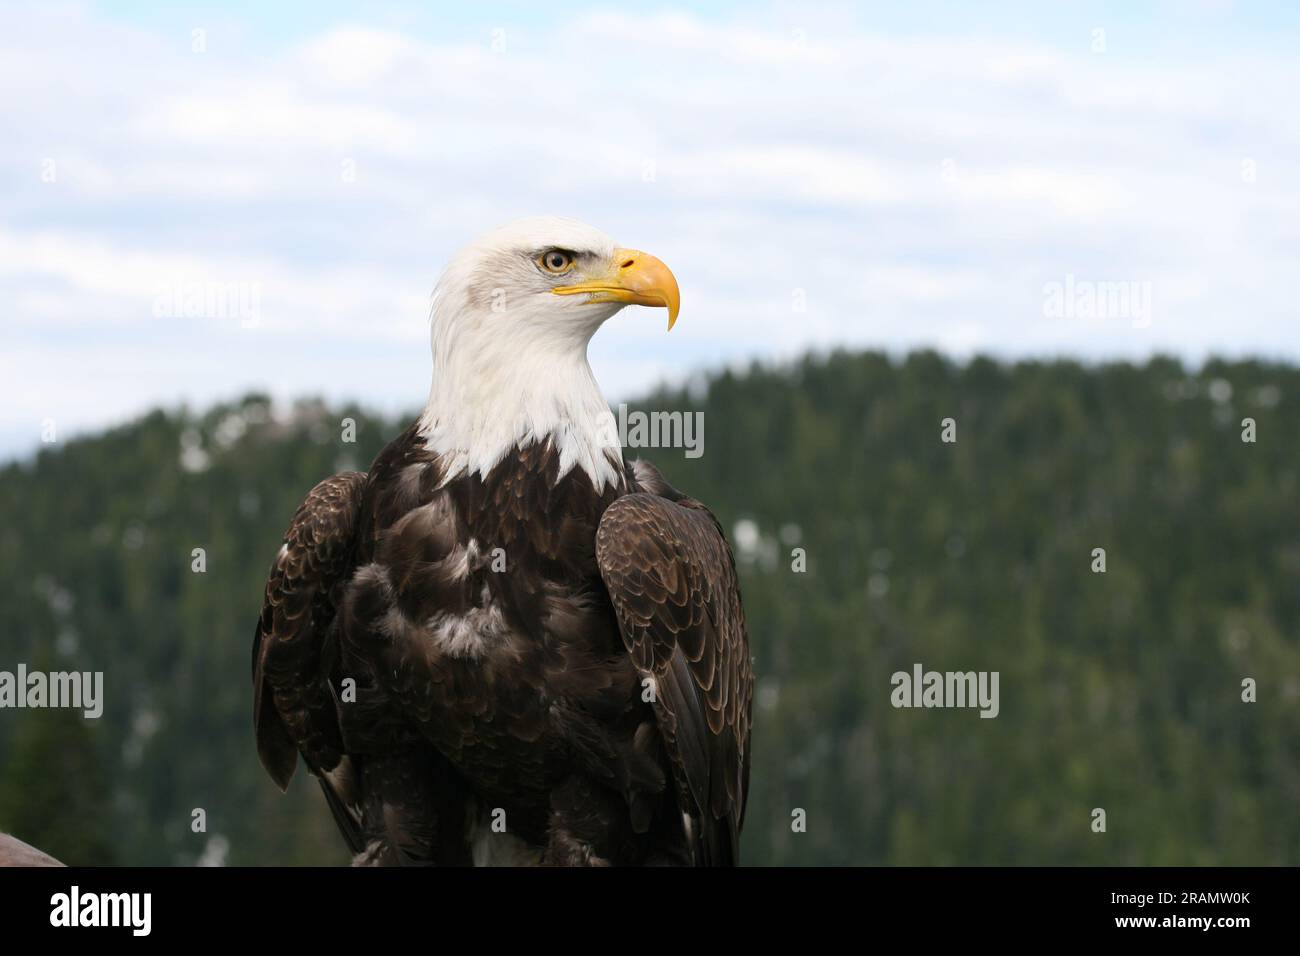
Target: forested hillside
{"type": "Point", "coordinates": [1119, 690]}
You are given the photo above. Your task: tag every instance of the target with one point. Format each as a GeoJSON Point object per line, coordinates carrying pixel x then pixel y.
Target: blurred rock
{"type": "Point", "coordinates": [15, 852]}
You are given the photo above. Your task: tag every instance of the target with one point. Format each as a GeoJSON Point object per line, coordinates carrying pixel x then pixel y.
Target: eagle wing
{"type": "Point", "coordinates": [294, 706]}
{"type": "Point", "coordinates": [673, 584]}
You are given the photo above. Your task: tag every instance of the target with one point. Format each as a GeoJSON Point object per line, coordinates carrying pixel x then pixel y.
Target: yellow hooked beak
{"type": "Point", "coordinates": [636, 278]}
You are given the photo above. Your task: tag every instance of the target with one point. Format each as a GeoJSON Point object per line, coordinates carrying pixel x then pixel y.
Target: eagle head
{"type": "Point", "coordinates": [552, 274]}
{"type": "Point", "coordinates": [512, 317]}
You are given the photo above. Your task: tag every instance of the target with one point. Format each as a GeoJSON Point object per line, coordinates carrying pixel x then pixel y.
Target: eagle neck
{"type": "Point", "coordinates": [493, 393]}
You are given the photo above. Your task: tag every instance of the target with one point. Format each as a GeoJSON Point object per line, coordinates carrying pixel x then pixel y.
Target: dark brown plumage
{"type": "Point", "coordinates": [510, 668]}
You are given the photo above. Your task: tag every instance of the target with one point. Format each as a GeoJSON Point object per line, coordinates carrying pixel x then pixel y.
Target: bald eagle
{"type": "Point", "coordinates": [504, 643]}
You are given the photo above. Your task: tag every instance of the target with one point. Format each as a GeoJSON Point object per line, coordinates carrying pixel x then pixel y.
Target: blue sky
{"type": "Point", "coordinates": [881, 175]}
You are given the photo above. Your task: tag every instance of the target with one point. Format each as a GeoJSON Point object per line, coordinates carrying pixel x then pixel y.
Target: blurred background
{"type": "Point", "coordinates": [1071, 230]}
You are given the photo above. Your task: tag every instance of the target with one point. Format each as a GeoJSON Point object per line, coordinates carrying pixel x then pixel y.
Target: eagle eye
{"type": "Point", "coordinates": [556, 261]}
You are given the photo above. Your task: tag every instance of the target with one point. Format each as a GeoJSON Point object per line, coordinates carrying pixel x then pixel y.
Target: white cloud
{"type": "Point", "coordinates": [919, 190]}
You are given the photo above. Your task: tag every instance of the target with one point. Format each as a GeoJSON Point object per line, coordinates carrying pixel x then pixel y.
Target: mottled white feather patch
{"type": "Point", "coordinates": [470, 634]}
